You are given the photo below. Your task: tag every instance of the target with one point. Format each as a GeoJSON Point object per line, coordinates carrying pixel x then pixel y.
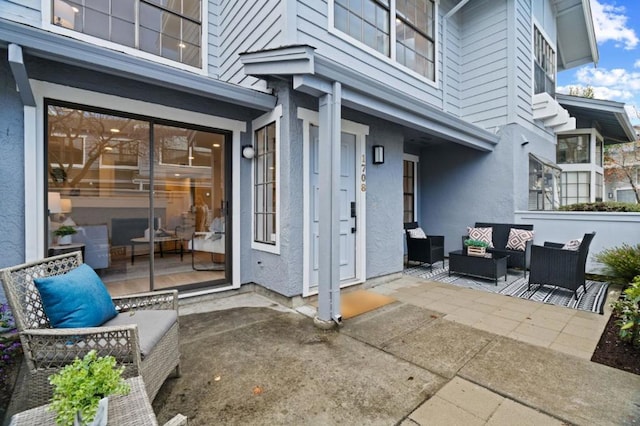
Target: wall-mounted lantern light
{"type": "Point", "coordinates": [378, 154]}
{"type": "Point", "coordinates": [248, 152]}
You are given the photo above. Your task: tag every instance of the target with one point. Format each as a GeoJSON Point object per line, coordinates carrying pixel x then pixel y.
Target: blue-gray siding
{"type": "Point", "coordinates": [246, 26]}
{"type": "Point", "coordinates": [23, 11]}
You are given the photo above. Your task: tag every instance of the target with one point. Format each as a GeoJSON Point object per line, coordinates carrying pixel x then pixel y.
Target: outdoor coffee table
{"type": "Point", "coordinates": [489, 266]}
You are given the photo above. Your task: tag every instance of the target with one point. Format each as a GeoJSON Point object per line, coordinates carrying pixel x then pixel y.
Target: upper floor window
{"type": "Point", "coordinates": [573, 149]}
{"type": "Point", "coordinates": [168, 28]}
{"type": "Point", "coordinates": [370, 22]}
{"type": "Point", "coordinates": [544, 64]}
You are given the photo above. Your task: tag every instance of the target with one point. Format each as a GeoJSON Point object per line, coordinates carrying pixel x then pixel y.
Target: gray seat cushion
{"type": "Point", "coordinates": [152, 325]}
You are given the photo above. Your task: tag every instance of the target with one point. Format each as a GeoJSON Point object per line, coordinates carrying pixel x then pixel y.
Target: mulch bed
{"type": "Point", "coordinates": [615, 353]}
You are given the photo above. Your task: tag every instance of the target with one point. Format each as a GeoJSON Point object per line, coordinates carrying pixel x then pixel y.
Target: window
{"type": "Point", "coordinates": [264, 185]}
{"type": "Point", "coordinates": [576, 187]}
{"type": "Point", "coordinates": [544, 64]}
{"type": "Point", "coordinates": [265, 181]}
{"type": "Point", "coordinates": [599, 186]}
{"type": "Point", "coordinates": [409, 190]}
{"type": "Point", "coordinates": [168, 28]}
{"type": "Point", "coordinates": [599, 151]}
{"type": "Point", "coordinates": [370, 21]}
{"type": "Point", "coordinates": [120, 154]}
{"type": "Point", "coordinates": [573, 149]}
{"type": "Point", "coordinates": [544, 184]}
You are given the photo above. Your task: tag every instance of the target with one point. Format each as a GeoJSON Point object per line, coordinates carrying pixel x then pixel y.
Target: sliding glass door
{"type": "Point", "coordinates": [147, 198]}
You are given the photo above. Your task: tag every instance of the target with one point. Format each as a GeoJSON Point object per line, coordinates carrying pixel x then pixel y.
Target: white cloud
{"type": "Point", "coordinates": [614, 79]}
{"type": "Point", "coordinates": [636, 64]}
{"type": "Point", "coordinates": [610, 23]}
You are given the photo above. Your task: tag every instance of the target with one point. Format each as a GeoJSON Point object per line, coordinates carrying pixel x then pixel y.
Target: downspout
{"type": "Point", "coordinates": [449, 14]}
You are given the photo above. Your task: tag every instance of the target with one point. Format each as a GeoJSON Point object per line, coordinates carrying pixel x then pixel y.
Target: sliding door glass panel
{"type": "Point", "coordinates": [106, 173]}
{"type": "Point", "coordinates": [93, 165]}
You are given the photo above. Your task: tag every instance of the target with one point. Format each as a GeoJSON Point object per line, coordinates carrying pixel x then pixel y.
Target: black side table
{"type": "Point", "coordinates": [67, 248]}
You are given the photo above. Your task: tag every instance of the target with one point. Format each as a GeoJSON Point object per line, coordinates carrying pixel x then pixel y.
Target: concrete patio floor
{"type": "Point", "coordinates": [440, 355]}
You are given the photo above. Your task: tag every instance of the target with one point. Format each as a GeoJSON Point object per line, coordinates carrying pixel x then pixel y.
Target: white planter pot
{"type": "Point", "coordinates": [64, 240]}
{"type": "Point", "coordinates": [100, 418]}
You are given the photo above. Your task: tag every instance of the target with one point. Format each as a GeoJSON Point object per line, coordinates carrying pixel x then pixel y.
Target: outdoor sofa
{"type": "Point", "coordinates": [503, 246]}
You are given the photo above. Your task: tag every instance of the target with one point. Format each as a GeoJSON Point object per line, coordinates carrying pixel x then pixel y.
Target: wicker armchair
{"type": "Point", "coordinates": [47, 349]}
{"type": "Point", "coordinates": [424, 250]}
{"type": "Point", "coordinates": [553, 265]}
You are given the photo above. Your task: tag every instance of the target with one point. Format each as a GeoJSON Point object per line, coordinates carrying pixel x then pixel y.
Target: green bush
{"type": "Point", "coordinates": [609, 206]}
{"type": "Point", "coordinates": [628, 311]}
{"type": "Point", "coordinates": [621, 263]}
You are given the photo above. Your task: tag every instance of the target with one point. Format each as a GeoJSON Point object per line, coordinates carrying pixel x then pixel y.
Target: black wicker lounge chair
{"type": "Point", "coordinates": [424, 250]}
{"type": "Point", "coordinates": [553, 265]}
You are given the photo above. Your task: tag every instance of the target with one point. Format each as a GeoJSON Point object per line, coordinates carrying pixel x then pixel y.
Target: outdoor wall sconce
{"type": "Point", "coordinates": [378, 154]}
{"type": "Point", "coordinates": [248, 152]}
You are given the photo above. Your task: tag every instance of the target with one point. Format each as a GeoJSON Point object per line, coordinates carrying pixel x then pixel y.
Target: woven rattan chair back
{"type": "Point", "coordinates": [22, 294]}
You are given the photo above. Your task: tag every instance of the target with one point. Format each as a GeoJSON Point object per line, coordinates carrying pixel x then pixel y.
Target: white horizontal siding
{"type": "Point", "coordinates": [213, 38]}
{"type": "Point", "coordinates": [524, 63]}
{"type": "Point", "coordinates": [313, 29]}
{"type": "Point", "coordinates": [244, 27]}
{"type": "Point", "coordinates": [22, 11]}
{"type": "Point", "coordinates": [484, 68]}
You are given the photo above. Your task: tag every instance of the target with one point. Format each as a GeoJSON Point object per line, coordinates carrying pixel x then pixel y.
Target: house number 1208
{"type": "Point", "coordinates": [363, 175]}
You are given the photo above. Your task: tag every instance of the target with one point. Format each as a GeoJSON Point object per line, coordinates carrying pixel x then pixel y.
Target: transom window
{"type": "Point", "coordinates": [545, 64]}
{"type": "Point", "coordinates": [168, 28]}
{"type": "Point", "coordinates": [370, 22]}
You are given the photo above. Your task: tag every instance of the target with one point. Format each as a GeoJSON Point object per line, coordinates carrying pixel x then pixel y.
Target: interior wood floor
{"type": "Point", "coordinates": [123, 278]}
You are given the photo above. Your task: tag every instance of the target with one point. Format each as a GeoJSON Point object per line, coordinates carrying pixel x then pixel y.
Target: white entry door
{"type": "Point", "coordinates": [348, 210]}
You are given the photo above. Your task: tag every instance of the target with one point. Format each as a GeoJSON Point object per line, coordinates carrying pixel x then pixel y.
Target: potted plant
{"type": "Point", "coordinates": [475, 247]}
{"type": "Point", "coordinates": [80, 390]}
{"type": "Point", "coordinates": [64, 234]}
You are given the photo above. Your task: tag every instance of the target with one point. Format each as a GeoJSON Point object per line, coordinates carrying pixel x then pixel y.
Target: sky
{"type": "Point", "coordinates": [617, 74]}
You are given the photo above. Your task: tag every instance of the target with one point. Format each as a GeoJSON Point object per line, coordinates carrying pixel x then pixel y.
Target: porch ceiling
{"type": "Point", "coordinates": [611, 118]}
{"type": "Point", "coordinates": [576, 36]}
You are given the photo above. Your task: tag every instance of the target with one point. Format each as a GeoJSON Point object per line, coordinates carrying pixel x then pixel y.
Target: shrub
{"type": "Point", "coordinates": [621, 263]}
{"type": "Point", "coordinates": [609, 206]}
{"type": "Point", "coordinates": [627, 310]}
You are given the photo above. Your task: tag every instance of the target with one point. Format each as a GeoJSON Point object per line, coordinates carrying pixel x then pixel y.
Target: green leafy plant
{"type": "Point", "coordinates": [627, 309]}
{"type": "Point", "coordinates": [80, 386]}
{"type": "Point", "coordinates": [606, 206]}
{"type": "Point", "coordinates": [65, 230]}
{"type": "Point", "coordinates": [622, 263]}
{"type": "Point", "coordinates": [475, 243]}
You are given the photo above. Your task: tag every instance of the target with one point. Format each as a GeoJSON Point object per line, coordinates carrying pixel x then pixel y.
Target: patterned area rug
{"type": "Point", "coordinates": [516, 286]}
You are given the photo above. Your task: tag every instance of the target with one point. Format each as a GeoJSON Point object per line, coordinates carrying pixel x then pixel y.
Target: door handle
{"type": "Point", "coordinates": [354, 216]}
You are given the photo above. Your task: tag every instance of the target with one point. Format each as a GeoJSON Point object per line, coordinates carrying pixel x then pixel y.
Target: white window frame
{"type": "Point", "coordinates": [392, 40]}
{"type": "Point", "coordinates": [274, 116]}
{"type": "Point", "coordinates": [34, 158]}
{"type": "Point", "coordinates": [537, 25]}
{"type": "Point", "coordinates": [46, 8]}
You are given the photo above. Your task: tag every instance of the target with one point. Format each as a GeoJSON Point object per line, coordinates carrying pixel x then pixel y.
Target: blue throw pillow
{"type": "Point", "coordinates": [76, 299]}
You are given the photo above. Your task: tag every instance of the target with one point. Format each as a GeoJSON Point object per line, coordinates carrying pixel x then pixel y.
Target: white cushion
{"type": "Point", "coordinates": [417, 233]}
{"type": "Point", "coordinates": [481, 234]}
{"type": "Point", "coordinates": [572, 244]}
{"type": "Point", "coordinates": [518, 239]}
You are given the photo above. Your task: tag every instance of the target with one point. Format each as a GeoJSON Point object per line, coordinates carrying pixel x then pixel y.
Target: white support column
{"type": "Point", "coordinates": [329, 211]}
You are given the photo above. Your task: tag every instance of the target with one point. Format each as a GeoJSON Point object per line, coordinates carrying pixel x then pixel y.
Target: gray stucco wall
{"type": "Point", "coordinates": [11, 169]}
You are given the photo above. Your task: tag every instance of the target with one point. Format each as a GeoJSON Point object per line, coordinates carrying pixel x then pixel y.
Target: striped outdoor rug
{"type": "Point", "coordinates": [516, 286]}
